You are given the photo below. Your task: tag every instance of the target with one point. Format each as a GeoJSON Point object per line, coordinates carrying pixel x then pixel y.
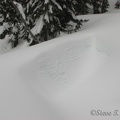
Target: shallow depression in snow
{"type": "Point", "coordinates": [61, 68]}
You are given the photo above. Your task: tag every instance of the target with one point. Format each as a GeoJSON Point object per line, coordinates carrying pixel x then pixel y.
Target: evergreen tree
{"type": "Point", "coordinates": [46, 19]}
{"type": "Point", "coordinates": [12, 24]}
{"type": "Point", "coordinates": [117, 5]}
{"type": "Point", "coordinates": [81, 7]}
{"type": "Point", "coordinates": [96, 6]}
{"type": "Point", "coordinates": [99, 6]}
{"type": "Point", "coordinates": [53, 17]}
{"type": "Point", "coordinates": [105, 5]}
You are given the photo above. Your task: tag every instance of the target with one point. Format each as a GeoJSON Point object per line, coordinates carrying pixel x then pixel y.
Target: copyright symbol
{"type": "Point", "coordinates": [93, 112]}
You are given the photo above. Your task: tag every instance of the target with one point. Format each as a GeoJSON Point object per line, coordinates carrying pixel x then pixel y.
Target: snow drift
{"type": "Point", "coordinates": [65, 78]}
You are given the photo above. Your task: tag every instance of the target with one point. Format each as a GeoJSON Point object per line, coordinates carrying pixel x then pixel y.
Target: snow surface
{"type": "Point", "coordinates": [65, 78]}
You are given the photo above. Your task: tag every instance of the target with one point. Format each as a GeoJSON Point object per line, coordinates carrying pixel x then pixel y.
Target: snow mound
{"type": "Point", "coordinates": [58, 70]}
{"type": "Point", "coordinates": [65, 78]}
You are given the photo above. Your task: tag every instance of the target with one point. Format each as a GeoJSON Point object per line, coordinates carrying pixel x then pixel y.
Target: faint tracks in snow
{"type": "Point", "coordinates": [64, 66]}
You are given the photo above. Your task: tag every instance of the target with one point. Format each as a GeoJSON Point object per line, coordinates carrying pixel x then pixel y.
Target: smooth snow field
{"type": "Point", "coordinates": [75, 77]}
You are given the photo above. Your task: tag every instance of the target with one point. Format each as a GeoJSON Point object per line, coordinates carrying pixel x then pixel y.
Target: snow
{"type": "Point", "coordinates": [20, 8]}
{"type": "Point", "coordinates": [4, 45]}
{"type": "Point", "coordinates": [112, 5]}
{"type": "Point", "coordinates": [46, 17]}
{"type": "Point", "coordinates": [46, 1]}
{"type": "Point", "coordinates": [39, 25]}
{"type": "Point", "coordinates": [65, 78]}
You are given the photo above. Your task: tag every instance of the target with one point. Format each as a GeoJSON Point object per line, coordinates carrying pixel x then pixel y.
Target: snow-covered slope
{"type": "Point", "coordinates": [65, 78]}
